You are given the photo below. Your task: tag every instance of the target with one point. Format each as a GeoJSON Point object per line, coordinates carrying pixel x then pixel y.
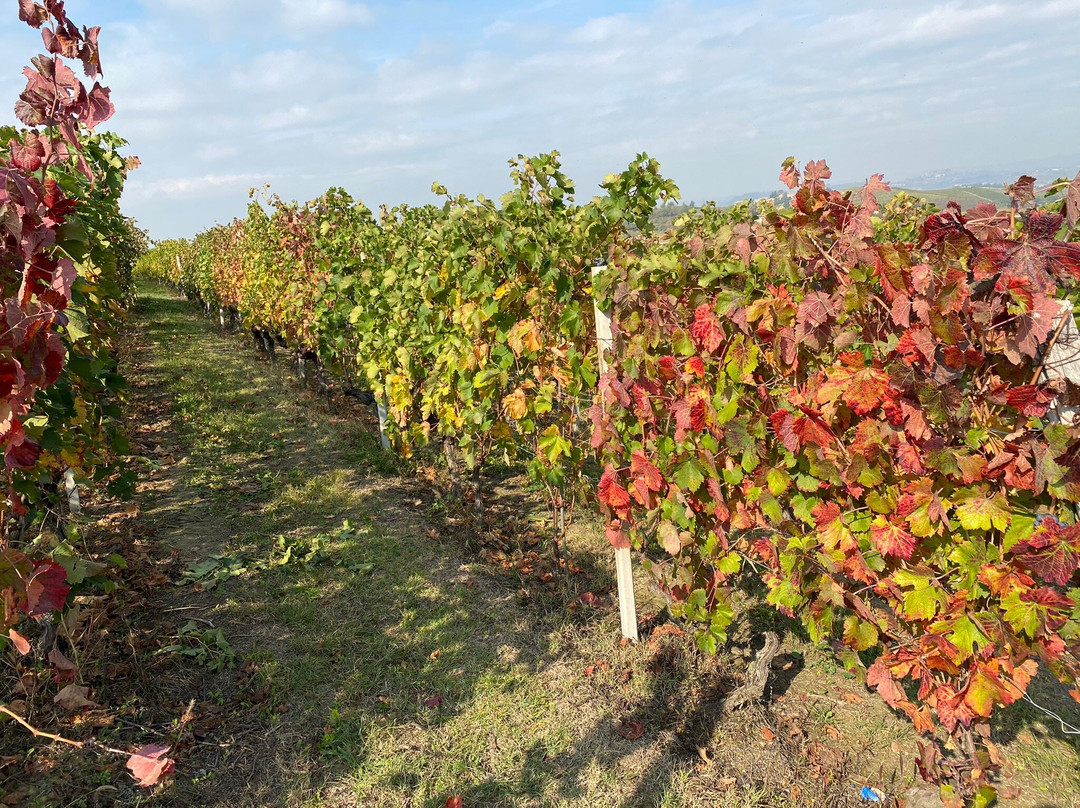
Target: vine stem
{"type": "Point", "coordinates": [38, 733]}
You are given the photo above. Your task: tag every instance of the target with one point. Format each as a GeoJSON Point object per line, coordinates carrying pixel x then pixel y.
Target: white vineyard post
{"type": "Point", "coordinates": [624, 572]}
{"type": "Point", "coordinates": [382, 425]}
{"type": "Point", "coordinates": [380, 408]}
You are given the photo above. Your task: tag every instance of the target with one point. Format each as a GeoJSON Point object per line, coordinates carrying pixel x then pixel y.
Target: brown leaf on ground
{"type": "Point", "coordinates": [631, 730]}
{"type": "Point", "coordinates": [75, 697]}
{"type": "Point", "coordinates": [668, 629]}
{"type": "Point", "coordinates": [768, 734]}
{"type": "Point", "coordinates": [62, 663]}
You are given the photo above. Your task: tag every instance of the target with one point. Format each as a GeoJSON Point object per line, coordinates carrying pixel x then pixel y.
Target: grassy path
{"type": "Point", "coordinates": [407, 675]}
{"type": "Point", "coordinates": [381, 662]}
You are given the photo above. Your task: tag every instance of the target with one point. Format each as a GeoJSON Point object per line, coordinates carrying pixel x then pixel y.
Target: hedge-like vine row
{"type": "Point", "coordinates": [845, 399]}
{"type": "Point", "coordinates": [66, 261]}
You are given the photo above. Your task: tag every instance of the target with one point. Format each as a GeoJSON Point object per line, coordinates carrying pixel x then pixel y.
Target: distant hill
{"type": "Point", "coordinates": [967, 196]}
{"type": "Point", "coordinates": [1044, 172]}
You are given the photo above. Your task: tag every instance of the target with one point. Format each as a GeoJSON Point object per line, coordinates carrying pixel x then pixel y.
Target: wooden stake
{"type": "Point", "coordinates": [624, 571]}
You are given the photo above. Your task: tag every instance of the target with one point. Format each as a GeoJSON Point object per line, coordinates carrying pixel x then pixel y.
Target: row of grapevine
{"type": "Point", "coordinates": [846, 400]}
{"type": "Point", "coordinates": [67, 256]}
{"type": "Point", "coordinates": [472, 320]}
{"type": "Point", "coordinates": [853, 404]}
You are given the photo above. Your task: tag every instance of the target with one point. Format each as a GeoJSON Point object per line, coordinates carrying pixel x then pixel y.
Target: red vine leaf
{"type": "Point", "coordinates": [643, 470]}
{"type": "Point", "coordinates": [148, 764]}
{"type": "Point", "coordinates": [1030, 399]}
{"type": "Point", "coordinates": [46, 589]}
{"type": "Point", "coordinates": [1072, 201]}
{"type": "Point", "coordinates": [610, 492]}
{"type": "Point", "coordinates": [797, 431]}
{"type": "Point", "coordinates": [631, 730]}
{"type": "Point", "coordinates": [1022, 191]}
{"type": "Point", "coordinates": [891, 539]}
{"type": "Point", "coordinates": [616, 533]}
{"type": "Point", "coordinates": [1034, 327]}
{"type": "Point", "coordinates": [789, 173]}
{"type": "Point", "coordinates": [33, 14]}
{"type": "Point", "coordinates": [1052, 552]}
{"type": "Point", "coordinates": [706, 329]}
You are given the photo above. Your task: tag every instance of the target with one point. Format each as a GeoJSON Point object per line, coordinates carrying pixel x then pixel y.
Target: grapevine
{"type": "Point", "coordinates": [846, 400]}
{"type": "Point", "coordinates": [66, 261]}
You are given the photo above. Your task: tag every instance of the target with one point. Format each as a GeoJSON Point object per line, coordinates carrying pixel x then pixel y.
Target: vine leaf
{"type": "Point", "coordinates": [1034, 327]}
{"type": "Point", "coordinates": [1022, 191]}
{"type": "Point", "coordinates": [46, 589]}
{"type": "Point", "coordinates": [610, 492]}
{"type": "Point", "coordinates": [706, 329]}
{"type": "Point", "coordinates": [1052, 552]}
{"type": "Point", "coordinates": [1072, 202]}
{"type": "Point", "coordinates": [149, 764]}
{"type": "Point", "coordinates": [798, 431]}
{"type": "Point", "coordinates": [891, 539]}
{"type": "Point", "coordinates": [978, 510]}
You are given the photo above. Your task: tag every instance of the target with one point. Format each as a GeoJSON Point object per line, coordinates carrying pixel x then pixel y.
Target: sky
{"type": "Point", "coordinates": [218, 96]}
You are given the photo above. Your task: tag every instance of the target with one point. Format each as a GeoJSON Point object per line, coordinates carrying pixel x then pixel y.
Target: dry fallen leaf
{"type": "Point", "coordinates": [74, 697]}
{"type": "Point", "coordinates": [768, 734]}
{"type": "Point", "coordinates": [148, 764]}
{"type": "Point", "coordinates": [631, 730]}
{"type": "Point", "coordinates": [61, 662]}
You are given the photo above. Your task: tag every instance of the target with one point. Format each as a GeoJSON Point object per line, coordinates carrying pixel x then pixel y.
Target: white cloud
{"type": "Point", "coordinates": [319, 13]}
{"type": "Point", "coordinates": [287, 18]}
{"type": "Point", "coordinates": [176, 188]}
